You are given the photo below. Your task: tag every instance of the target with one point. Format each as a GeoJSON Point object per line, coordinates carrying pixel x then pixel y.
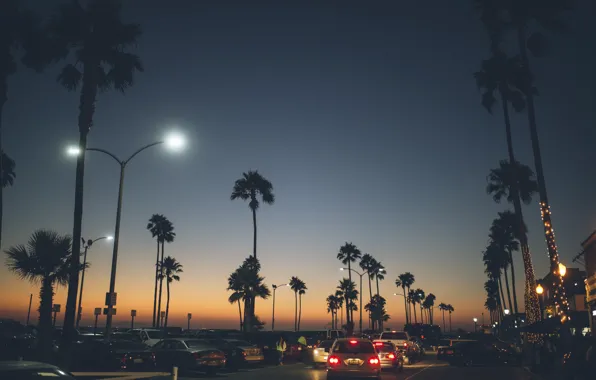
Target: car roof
{"type": "Point", "coordinates": [362, 340]}
{"type": "Point", "coordinates": [15, 365]}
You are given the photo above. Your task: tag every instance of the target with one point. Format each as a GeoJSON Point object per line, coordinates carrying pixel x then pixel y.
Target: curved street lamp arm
{"type": "Point", "coordinates": [140, 150]}
{"type": "Point", "coordinates": [106, 152]}
{"type": "Point", "coordinates": [100, 238]}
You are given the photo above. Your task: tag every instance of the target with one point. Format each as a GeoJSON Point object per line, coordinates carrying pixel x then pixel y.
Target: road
{"type": "Point", "coordinates": [428, 369]}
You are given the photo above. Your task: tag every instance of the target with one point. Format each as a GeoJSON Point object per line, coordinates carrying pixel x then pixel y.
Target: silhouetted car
{"type": "Point", "coordinates": [251, 353]}
{"type": "Point", "coordinates": [189, 354]}
{"type": "Point", "coordinates": [114, 355]}
{"type": "Point", "coordinates": [234, 357]}
{"type": "Point", "coordinates": [482, 353]}
{"type": "Point", "coordinates": [23, 370]}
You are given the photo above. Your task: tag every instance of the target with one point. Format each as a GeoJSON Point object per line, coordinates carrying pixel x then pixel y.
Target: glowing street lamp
{"type": "Point", "coordinates": [174, 141]}
{"type": "Point", "coordinates": [87, 244]}
{"type": "Point", "coordinates": [475, 324]}
{"type": "Point", "coordinates": [539, 289]}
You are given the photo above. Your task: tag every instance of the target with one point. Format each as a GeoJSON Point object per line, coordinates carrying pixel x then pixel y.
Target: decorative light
{"type": "Point", "coordinates": [539, 289]}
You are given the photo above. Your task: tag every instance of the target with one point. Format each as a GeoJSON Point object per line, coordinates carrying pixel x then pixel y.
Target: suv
{"type": "Point", "coordinates": [401, 339]}
{"type": "Point", "coordinates": [351, 357]}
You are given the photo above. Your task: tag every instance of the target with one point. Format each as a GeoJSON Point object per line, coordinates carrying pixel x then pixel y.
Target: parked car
{"type": "Point", "coordinates": [113, 355]}
{"type": "Point", "coordinates": [321, 351]}
{"type": "Point", "coordinates": [479, 353]}
{"type": "Point", "coordinates": [189, 354]}
{"type": "Point", "coordinates": [23, 370]}
{"type": "Point", "coordinates": [148, 336]}
{"type": "Point", "coordinates": [234, 356]}
{"type": "Point", "coordinates": [391, 357]}
{"type": "Point", "coordinates": [251, 353]}
{"type": "Point", "coordinates": [353, 357]}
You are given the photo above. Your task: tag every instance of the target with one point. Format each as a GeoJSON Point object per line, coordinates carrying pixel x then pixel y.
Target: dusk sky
{"type": "Point", "coordinates": [367, 121]}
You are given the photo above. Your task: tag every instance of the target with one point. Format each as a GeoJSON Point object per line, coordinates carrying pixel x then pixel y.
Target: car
{"type": "Point", "coordinates": [113, 355]}
{"type": "Point", "coordinates": [149, 336]}
{"type": "Point", "coordinates": [189, 354]}
{"type": "Point", "coordinates": [401, 339]}
{"type": "Point", "coordinates": [320, 352]}
{"type": "Point", "coordinates": [24, 370]}
{"type": "Point", "coordinates": [250, 352]}
{"type": "Point", "coordinates": [477, 353]}
{"type": "Point", "coordinates": [391, 358]}
{"type": "Point", "coordinates": [353, 357]}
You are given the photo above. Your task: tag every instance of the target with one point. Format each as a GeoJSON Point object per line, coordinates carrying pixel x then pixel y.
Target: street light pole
{"type": "Point", "coordinates": [273, 316]}
{"type": "Point", "coordinates": [87, 245]}
{"type": "Point", "coordinates": [475, 324]}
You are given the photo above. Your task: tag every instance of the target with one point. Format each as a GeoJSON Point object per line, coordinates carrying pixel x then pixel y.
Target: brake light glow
{"type": "Point", "coordinates": [333, 360]}
{"type": "Point", "coordinates": [373, 361]}
{"type": "Point", "coordinates": [405, 344]}
{"type": "Point", "coordinates": [353, 341]}
{"type": "Point", "coordinates": [391, 356]}
{"type": "Point", "coordinates": [378, 343]}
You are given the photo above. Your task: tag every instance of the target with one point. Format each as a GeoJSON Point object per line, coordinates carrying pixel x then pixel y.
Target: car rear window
{"type": "Point", "coordinates": [384, 346]}
{"type": "Point", "coordinates": [360, 347]}
{"type": "Point", "coordinates": [395, 335]}
{"type": "Point", "coordinates": [326, 343]}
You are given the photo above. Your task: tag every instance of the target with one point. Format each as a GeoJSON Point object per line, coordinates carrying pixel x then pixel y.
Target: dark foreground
{"type": "Point", "coordinates": [428, 369]}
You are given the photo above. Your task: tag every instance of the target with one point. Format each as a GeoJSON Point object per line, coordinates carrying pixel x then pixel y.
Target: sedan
{"type": "Point", "coordinates": [250, 352]}
{"type": "Point", "coordinates": [189, 354]}
{"type": "Point", "coordinates": [321, 351]}
{"type": "Point", "coordinates": [391, 358]}
{"type": "Point", "coordinates": [353, 357]}
{"type": "Point", "coordinates": [113, 355]}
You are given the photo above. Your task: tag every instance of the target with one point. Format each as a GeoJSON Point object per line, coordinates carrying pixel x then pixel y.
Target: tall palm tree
{"type": "Point", "coordinates": [236, 297]}
{"type": "Point", "coordinates": [332, 306]}
{"type": "Point", "coordinates": [97, 42]}
{"type": "Point", "coordinates": [349, 253]}
{"type": "Point", "coordinates": [503, 233]}
{"type": "Point", "coordinates": [443, 307]}
{"type": "Point", "coordinates": [166, 234]}
{"type": "Point", "coordinates": [429, 302]}
{"type": "Point", "coordinates": [493, 261]}
{"type": "Point", "coordinates": [450, 309]}
{"type": "Point", "coordinates": [405, 280]}
{"type": "Point", "coordinates": [170, 269]}
{"type": "Point", "coordinates": [498, 16]}
{"type": "Point", "coordinates": [379, 272]}
{"type": "Point", "coordinates": [296, 285]}
{"type": "Point", "coordinates": [156, 227]}
{"type": "Point", "coordinates": [492, 291]}
{"type": "Point", "coordinates": [250, 187]}
{"type": "Point", "coordinates": [367, 263]}
{"type": "Point", "coordinates": [20, 39]}
{"type": "Point", "coordinates": [43, 261]}
{"type": "Point", "coordinates": [301, 292]}
{"type": "Point", "coordinates": [248, 283]}
{"type": "Point", "coordinates": [412, 299]}
{"type": "Point", "coordinates": [349, 293]}
{"type": "Point", "coordinates": [418, 300]}
{"type": "Point", "coordinates": [340, 304]}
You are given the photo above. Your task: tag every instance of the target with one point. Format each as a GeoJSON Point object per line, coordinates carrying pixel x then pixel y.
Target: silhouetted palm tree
{"type": "Point", "coordinates": [340, 304]}
{"type": "Point", "coordinates": [96, 40]}
{"type": "Point", "coordinates": [44, 261]}
{"type": "Point", "coordinates": [170, 269]}
{"type": "Point", "coordinates": [498, 17]}
{"type": "Point", "coordinates": [20, 39]}
{"type": "Point", "coordinates": [349, 253]}
{"type": "Point", "coordinates": [332, 306]}
{"type": "Point", "coordinates": [494, 262]}
{"type": "Point", "coordinates": [492, 292]}
{"type": "Point", "coordinates": [236, 297]}
{"type": "Point", "coordinates": [379, 272]}
{"type": "Point", "coordinates": [405, 280]}
{"type": "Point", "coordinates": [418, 300]}
{"type": "Point", "coordinates": [249, 188]}
{"type": "Point", "coordinates": [443, 307]}
{"type": "Point", "coordinates": [247, 282]}
{"type": "Point", "coordinates": [503, 233]}
{"type": "Point", "coordinates": [166, 234]}
{"type": "Point", "coordinates": [367, 263]}
{"type": "Point", "coordinates": [412, 299]}
{"type": "Point", "coordinates": [156, 226]}
{"type": "Point", "coordinates": [349, 292]}
{"type": "Point", "coordinates": [300, 294]}
{"type": "Point", "coordinates": [450, 309]}
{"type": "Point", "coordinates": [429, 303]}
{"type": "Point", "coordinates": [8, 174]}
{"type": "Point", "coordinates": [296, 285]}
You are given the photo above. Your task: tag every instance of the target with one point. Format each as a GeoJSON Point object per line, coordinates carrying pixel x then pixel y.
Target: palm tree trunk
{"type": "Point", "coordinates": [544, 204]}
{"type": "Point", "coordinates": [160, 287]}
{"type": "Point", "coordinates": [403, 288]}
{"type": "Point", "coordinates": [86, 111]}
{"type": "Point", "coordinates": [421, 316]}
{"type": "Point", "coordinates": [415, 318]}
{"type": "Point", "coordinates": [240, 314]}
{"type": "Point", "coordinates": [253, 300]}
{"type": "Point", "coordinates": [46, 295]}
{"type": "Point", "coordinates": [370, 318]}
{"type": "Point", "coordinates": [3, 98]}
{"type": "Point", "coordinates": [295, 311]}
{"type": "Point", "coordinates": [513, 282]}
{"type": "Point", "coordinates": [165, 325]}
{"type": "Point", "coordinates": [155, 291]}
{"type": "Point", "coordinates": [349, 312]}
{"type": "Point", "coordinates": [247, 315]}
{"type": "Point", "coordinates": [444, 327]}
{"type": "Point", "coordinates": [507, 287]}
{"type": "Point", "coordinates": [502, 294]}
{"type": "Point", "coordinates": [300, 312]}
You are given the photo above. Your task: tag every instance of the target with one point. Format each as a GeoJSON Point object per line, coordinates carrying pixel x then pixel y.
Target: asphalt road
{"type": "Point", "coordinates": [428, 369]}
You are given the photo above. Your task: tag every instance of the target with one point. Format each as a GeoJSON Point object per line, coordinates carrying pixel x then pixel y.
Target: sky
{"type": "Point", "coordinates": [366, 120]}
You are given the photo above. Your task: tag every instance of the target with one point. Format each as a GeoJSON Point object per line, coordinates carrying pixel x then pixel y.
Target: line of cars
{"type": "Point", "coordinates": [480, 350]}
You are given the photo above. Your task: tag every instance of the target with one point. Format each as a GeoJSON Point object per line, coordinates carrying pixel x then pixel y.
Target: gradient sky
{"type": "Point", "coordinates": [366, 119]}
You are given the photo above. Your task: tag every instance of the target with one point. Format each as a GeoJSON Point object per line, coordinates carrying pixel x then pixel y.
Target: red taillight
{"type": "Point", "coordinates": [391, 356]}
{"type": "Point", "coordinates": [353, 341]}
{"type": "Point", "coordinates": [379, 343]}
{"type": "Point", "coordinates": [373, 361]}
{"type": "Point", "coordinates": [333, 360]}
{"type": "Point", "coordinates": [405, 344]}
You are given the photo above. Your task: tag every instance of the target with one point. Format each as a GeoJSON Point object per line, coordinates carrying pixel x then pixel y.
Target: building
{"type": "Point", "coordinates": [589, 256]}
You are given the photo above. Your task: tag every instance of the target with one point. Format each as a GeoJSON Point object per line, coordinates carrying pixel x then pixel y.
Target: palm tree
{"type": "Point", "coordinates": [379, 272]}
{"type": "Point", "coordinates": [170, 269]}
{"type": "Point", "coordinates": [429, 303]}
{"type": "Point", "coordinates": [301, 292]}
{"type": "Point", "coordinates": [249, 188]}
{"type": "Point", "coordinates": [247, 282]}
{"type": "Point", "coordinates": [493, 261]}
{"type": "Point", "coordinates": [418, 300]}
{"type": "Point", "coordinates": [519, 15]}
{"type": "Point", "coordinates": [20, 39]}
{"type": "Point", "coordinates": [43, 261]}
{"type": "Point", "coordinates": [367, 263]}
{"type": "Point", "coordinates": [443, 307]}
{"type": "Point", "coordinates": [492, 291]}
{"type": "Point", "coordinates": [412, 298]}
{"type": "Point", "coordinates": [332, 306]}
{"type": "Point", "coordinates": [349, 293]}
{"type": "Point", "coordinates": [349, 253]}
{"type": "Point", "coordinates": [98, 41]}
{"type": "Point", "coordinates": [405, 280]}
{"type": "Point", "coordinates": [503, 233]}
{"type": "Point", "coordinates": [450, 309]}
{"type": "Point", "coordinates": [340, 304]}
{"type": "Point", "coordinates": [236, 297]}
{"type": "Point", "coordinates": [297, 285]}
{"type": "Point", "coordinates": [156, 226]}
{"type": "Point", "coordinates": [166, 234]}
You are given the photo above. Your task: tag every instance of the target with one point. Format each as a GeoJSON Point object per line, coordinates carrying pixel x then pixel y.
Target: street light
{"type": "Point", "coordinates": [475, 323]}
{"type": "Point", "coordinates": [87, 244]}
{"type": "Point", "coordinates": [173, 141]}
{"type": "Point", "coordinates": [562, 269]}
{"type": "Point", "coordinates": [540, 292]}
{"type": "Point", "coordinates": [273, 316]}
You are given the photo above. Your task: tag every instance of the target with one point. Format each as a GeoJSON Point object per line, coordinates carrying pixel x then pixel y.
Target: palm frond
{"type": "Point", "coordinates": [70, 77]}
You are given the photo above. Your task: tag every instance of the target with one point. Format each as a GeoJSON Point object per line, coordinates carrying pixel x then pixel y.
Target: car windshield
{"type": "Point", "coordinates": [395, 335]}
{"type": "Point", "coordinates": [384, 347]}
{"type": "Point", "coordinates": [156, 334]}
{"type": "Point", "coordinates": [326, 343]}
{"type": "Point", "coordinates": [358, 347]}
{"type": "Point", "coordinates": [197, 343]}
{"type": "Point", "coordinates": [239, 342]}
